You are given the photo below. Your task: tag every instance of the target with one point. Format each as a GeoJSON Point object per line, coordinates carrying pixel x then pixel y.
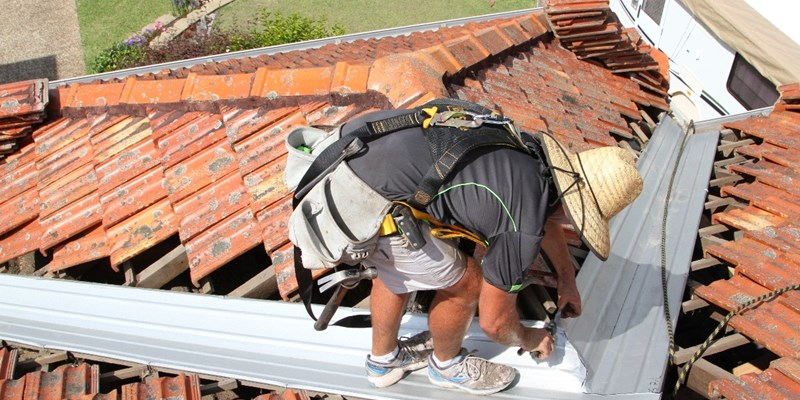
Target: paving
{"type": "Point", "coordinates": [40, 39]}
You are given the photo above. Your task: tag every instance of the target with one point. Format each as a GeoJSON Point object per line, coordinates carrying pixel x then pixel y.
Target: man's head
{"type": "Point", "coordinates": [594, 186]}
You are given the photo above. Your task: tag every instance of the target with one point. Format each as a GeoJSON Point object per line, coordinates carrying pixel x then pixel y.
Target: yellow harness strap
{"type": "Point", "coordinates": [438, 229]}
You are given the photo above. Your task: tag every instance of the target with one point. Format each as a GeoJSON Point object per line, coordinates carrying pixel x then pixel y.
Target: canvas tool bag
{"type": "Point", "coordinates": [338, 220]}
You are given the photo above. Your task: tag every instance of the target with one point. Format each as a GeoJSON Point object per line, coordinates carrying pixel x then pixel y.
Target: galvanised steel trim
{"type": "Point", "coordinates": [625, 344]}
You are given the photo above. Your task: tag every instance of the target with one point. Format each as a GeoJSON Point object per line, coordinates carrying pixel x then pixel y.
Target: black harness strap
{"type": "Point", "coordinates": [448, 159]}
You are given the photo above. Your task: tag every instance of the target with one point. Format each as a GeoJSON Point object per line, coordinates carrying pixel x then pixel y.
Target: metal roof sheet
{"type": "Point", "coordinates": [622, 335]}
{"type": "Point", "coordinates": [215, 335]}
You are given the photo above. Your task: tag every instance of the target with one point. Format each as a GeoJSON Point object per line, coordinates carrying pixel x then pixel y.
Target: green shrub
{"type": "Point", "coordinates": [119, 56]}
{"type": "Point", "coordinates": [277, 29]}
{"type": "Point", "coordinates": [273, 29]}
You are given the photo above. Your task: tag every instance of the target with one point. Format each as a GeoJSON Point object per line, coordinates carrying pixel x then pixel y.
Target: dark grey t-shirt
{"type": "Point", "coordinates": [498, 193]}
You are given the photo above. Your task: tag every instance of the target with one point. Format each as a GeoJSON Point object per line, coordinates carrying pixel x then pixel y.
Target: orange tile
{"type": "Point", "coordinates": [404, 78]}
{"type": "Point", "coordinates": [142, 231]}
{"type": "Point", "coordinates": [533, 25]}
{"type": "Point", "coordinates": [87, 246]}
{"type": "Point", "coordinates": [152, 92]}
{"type": "Point", "coordinates": [20, 209]}
{"type": "Point", "coordinates": [114, 141]}
{"type": "Point", "coordinates": [441, 54]}
{"type": "Point", "coordinates": [126, 166]}
{"type": "Point", "coordinates": [67, 190]}
{"type": "Point", "coordinates": [96, 95]}
{"type": "Point", "coordinates": [264, 146]}
{"type": "Point", "coordinates": [221, 243]}
{"type": "Point", "coordinates": [349, 78]}
{"type": "Point", "coordinates": [65, 160]}
{"type": "Point", "coordinates": [274, 221]}
{"type": "Point", "coordinates": [217, 87]}
{"type": "Point", "coordinates": [314, 81]}
{"type": "Point", "coordinates": [266, 184]}
{"type": "Point", "coordinates": [210, 205]}
{"type": "Point", "coordinates": [16, 176]}
{"type": "Point", "coordinates": [22, 240]}
{"type": "Point", "coordinates": [132, 196]}
{"type": "Point", "coordinates": [494, 40]}
{"type": "Point", "coordinates": [21, 98]}
{"type": "Point", "coordinates": [467, 50]}
{"type": "Point", "coordinates": [190, 139]}
{"type": "Point", "coordinates": [514, 32]}
{"type": "Point", "coordinates": [73, 219]}
{"type": "Point", "coordinates": [186, 178]}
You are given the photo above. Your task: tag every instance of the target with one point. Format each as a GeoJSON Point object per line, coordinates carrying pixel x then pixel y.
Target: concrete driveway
{"type": "Point", "coordinates": [40, 39]}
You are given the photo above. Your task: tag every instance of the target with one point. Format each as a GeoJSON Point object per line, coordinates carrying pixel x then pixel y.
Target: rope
{"type": "Point", "coordinates": [667, 314]}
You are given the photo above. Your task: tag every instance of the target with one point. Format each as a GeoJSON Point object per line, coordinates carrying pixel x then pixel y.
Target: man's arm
{"type": "Point", "coordinates": [554, 244]}
{"type": "Point", "coordinates": [500, 321]}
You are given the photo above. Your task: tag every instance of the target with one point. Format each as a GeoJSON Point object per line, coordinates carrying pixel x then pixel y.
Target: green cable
{"type": "Point", "coordinates": [513, 223]}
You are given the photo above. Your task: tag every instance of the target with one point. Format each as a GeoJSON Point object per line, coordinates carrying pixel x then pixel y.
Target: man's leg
{"type": "Point", "coordinates": [387, 310]}
{"type": "Point", "coordinates": [452, 311]}
{"type": "Point", "coordinates": [451, 366]}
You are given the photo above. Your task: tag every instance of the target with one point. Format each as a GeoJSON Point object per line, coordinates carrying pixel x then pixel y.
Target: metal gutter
{"type": "Point", "coordinates": [623, 337]}
{"type": "Point", "coordinates": [311, 44]}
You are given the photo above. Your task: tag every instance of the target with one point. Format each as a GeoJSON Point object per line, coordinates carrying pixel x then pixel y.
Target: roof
{"type": "Point", "coordinates": [131, 169]}
{"type": "Point", "coordinates": [747, 32]}
{"type": "Point", "coordinates": [122, 165]}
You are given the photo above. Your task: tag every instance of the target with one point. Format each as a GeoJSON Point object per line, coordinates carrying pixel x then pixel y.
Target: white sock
{"type": "Point", "coordinates": [386, 358]}
{"type": "Point", "coordinates": [446, 363]}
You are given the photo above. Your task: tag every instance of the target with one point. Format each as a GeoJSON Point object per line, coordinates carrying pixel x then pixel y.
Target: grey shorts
{"type": "Point", "coordinates": [437, 265]}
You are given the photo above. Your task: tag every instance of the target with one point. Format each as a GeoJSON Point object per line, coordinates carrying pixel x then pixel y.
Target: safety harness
{"type": "Point", "coordinates": [452, 128]}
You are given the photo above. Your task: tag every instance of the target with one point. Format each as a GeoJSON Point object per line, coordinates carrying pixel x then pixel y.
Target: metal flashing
{"type": "Point", "coordinates": [622, 335]}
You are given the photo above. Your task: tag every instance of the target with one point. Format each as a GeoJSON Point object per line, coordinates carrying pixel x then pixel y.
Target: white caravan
{"type": "Point", "coordinates": [726, 56]}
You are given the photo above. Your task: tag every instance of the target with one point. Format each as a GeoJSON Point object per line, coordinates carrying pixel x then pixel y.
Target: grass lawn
{"type": "Point", "coordinates": [105, 22]}
{"type": "Point", "coordinates": [366, 15]}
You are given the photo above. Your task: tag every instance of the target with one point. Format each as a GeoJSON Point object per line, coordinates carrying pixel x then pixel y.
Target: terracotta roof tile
{"type": "Point", "coordinates": [779, 381]}
{"type": "Point", "coordinates": [89, 245]}
{"type": "Point", "coordinates": [22, 105]}
{"type": "Point", "coordinates": [766, 256]}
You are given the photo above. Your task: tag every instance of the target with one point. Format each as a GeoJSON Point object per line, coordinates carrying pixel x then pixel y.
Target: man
{"type": "Point", "coordinates": [503, 195]}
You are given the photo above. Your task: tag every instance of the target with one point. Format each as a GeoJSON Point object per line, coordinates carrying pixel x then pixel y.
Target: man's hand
{"type": "Point", "coordinates": [555, 246]}
{"type": "Point", "coordinates": [569, 299]}
{"type": "Point", "coordinates": [539, 342]}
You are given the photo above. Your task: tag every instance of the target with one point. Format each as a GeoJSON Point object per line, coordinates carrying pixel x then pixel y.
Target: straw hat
{"type": "Point", "coordinates": [607, 182]}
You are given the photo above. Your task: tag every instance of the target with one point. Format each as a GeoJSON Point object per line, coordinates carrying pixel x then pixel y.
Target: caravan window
{"type": "Point", "coordinates": [654, 9]}
{"type": "Point", "coordinates": [749, 87]}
